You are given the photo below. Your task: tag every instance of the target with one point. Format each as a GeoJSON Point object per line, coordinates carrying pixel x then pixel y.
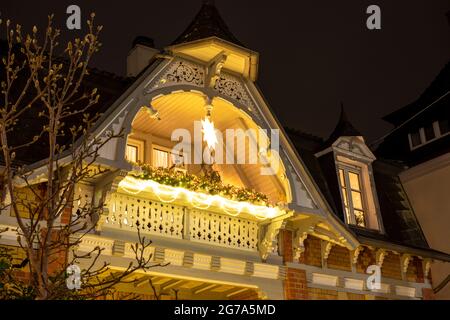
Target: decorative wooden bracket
{"type": "Point", "coordinates": [405, 260]}
{"type": "Point", "coordinates": [299, 247]}
{"type": "Point", "coordinates": [152, 112]}
{"type": "Point", "coordinates": [269, 238]}
{"type": "Point", "coordinates": [355, 254]}
{"type": "Point", "coordinates": [215, 68]}
{"type": "Point", "coordinates": [426, 267]}
{"type": "Point", "coordinates": [302, 232]}
{"type": "Point", "coordinates": [380, 255]}
{"type": "Point", "coordinates": [103, 191]}
{"type": "Point", "coordinates": [326, 250]}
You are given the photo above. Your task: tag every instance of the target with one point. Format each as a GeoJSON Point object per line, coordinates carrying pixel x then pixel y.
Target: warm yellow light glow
{"type": "Point", "coordinates": [200, 201]}
{"type": "Point", "coordinates": [209, 133]}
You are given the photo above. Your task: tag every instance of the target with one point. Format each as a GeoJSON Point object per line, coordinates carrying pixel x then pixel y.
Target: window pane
{"type": "Point", "coordinates": [415, 139]}
{"type": "Point", "coordinates": [160, 158]}
{"type": "Point", "coordinates": [132, 153]}
{"type": "Point", "coordinates": [354, 181]}
{"type": "Point", "coordinates": [347, 213]}
{"type": "Point", "coordinates": [357, 200]}
{"type": "Point", "coordinates": [429, 132]}
{"type": "Point", "coordinates": [344, 196]}
{"type": "Point", "coordinates": [443, 126]}
{"type": "Point", "coordinates": [341, 177]}
{"type": "Point", "coordinates": [359, 218]}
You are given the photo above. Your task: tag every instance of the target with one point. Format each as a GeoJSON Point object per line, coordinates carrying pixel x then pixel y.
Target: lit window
{"type": "Point", "coordinates": [132, 153]}
{"type": "Point", "coordinates": [352, 196]}
{"type": "Point", "coordinates": [135, 150]}
{"type": "Point", "coordinates": [160, 158]}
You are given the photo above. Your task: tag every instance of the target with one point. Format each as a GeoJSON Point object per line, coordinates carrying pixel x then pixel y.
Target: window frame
{"type": "Point", "coordinates": [423, 140]}
{"type": "Point", "coordinates": [347, 168]}
{"type": "Point", "coordinates": [140, 146]}
{"type": "Point", "coordinates": [161, 149]}
{"type": "Point", "coordinates": [169, 154]}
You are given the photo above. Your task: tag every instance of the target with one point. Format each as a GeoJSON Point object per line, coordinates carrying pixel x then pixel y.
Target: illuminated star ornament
{"type": "Point", "coordinates": [208, 130]}
{"type": "Point", "coordinates": [209, 133]}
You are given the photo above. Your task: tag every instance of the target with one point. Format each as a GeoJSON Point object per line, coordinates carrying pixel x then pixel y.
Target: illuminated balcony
{"type": "Point", "coordinates": [179, 213]}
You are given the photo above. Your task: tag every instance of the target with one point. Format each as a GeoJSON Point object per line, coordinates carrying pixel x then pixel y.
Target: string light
{"type": "Point", "coordinates": [169, 194]}
{"type": "Point", "coordinates": [210, 182]}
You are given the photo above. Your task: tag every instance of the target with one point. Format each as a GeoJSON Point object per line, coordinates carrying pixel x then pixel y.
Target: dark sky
{"type": "Point", "coordinates": [313, 54]}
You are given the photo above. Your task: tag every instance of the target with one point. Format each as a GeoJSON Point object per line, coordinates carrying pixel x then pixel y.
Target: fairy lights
{"type": "Point", "coordinates": [169, 194]}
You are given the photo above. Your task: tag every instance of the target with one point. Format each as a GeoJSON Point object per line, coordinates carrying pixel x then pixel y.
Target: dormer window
{"type": "Point", "coordinates": [359, 196]}
{"type": "Point", "coordinates": [428, 133]}
{"type": "Point", "coordinates": [352, 195]}
{"type": "Point", "coordinates": [355, 182]}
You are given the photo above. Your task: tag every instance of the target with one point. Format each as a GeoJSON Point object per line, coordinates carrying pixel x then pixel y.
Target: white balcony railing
{"type": "Point", "coordinates": [128, 212]}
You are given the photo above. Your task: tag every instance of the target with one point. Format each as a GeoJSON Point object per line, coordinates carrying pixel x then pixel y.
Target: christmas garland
{"type": "Point", "coordinates": [209, 182]}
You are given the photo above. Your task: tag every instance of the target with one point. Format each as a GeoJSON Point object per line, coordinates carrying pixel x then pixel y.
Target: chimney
{"type": "Point", "coordinates": [141, 54]}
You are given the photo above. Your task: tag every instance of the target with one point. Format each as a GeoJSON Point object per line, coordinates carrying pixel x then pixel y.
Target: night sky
{"type": "Point", "coordinates": [313, 54]}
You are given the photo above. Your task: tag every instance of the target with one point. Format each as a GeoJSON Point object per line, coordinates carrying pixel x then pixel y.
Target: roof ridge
{"type": "Point", "coordinates": [304, 134]}
{"type": "Point", "coordinates": [427, 94]}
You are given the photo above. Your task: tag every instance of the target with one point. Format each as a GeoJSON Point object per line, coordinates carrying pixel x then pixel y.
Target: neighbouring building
{"type": "Point", "coordinates": [421, 142]}
{"type": "Point", "coordinates": [334, 208]}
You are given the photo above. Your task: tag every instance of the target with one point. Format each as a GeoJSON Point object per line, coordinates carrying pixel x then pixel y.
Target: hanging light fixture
{"type": "Point", "coordinates": [152, 112]}
{"type": "Point", "coordinates": [208, 130]}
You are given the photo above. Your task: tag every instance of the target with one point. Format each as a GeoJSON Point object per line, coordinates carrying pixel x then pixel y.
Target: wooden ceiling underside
{"type": "Point", "coordinates": [184, 289]}
{"type": "Point", "coordinates": [180, 110]}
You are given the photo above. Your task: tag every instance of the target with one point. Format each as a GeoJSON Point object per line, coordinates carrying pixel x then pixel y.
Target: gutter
{"type": "Point", "coordinates": [421, 252]}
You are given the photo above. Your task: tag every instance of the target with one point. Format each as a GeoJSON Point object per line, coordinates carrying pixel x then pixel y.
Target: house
{"type": "Point", "coordinates": [421, 142]}
{"type": "Point", "coordinates": [309, 230]}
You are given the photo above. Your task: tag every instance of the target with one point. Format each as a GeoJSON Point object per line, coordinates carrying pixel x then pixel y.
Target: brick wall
{"type": "Point", "coordinates": [286, 238]}
{"type": "Point", "coordinates": [355, 296]}
{"type": "Point", "coordinates": [415, 271]}
{"type": "Point", "coordinates": [66, 215]}
{"type": "Point", "coordinates": [428, 294]}
{"type": "Point", "coordinates": [339, 258]}
{"type": "Point", "coordinates": [366, 258]}
{"type": "Point", "coordinates": [322, 294]}
{"type": "Point", "coordinates": [18, 256]}
{"type": "Point", "coordinates": [313, 252]}
{"type": "Point", "coordinates": [26, 200]}
{"type": "Point", "coordinates": [295, 287]}
{"type": "Point", "coordinates": [391, 266]}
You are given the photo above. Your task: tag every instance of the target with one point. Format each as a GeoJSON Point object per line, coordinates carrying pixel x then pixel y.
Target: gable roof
{"type": "Point", "coordinates": [207, 23]}
{"type": "Point", "coordinates": [431, 106]}
{"type": "Point", "coordinates": [439, 86]}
